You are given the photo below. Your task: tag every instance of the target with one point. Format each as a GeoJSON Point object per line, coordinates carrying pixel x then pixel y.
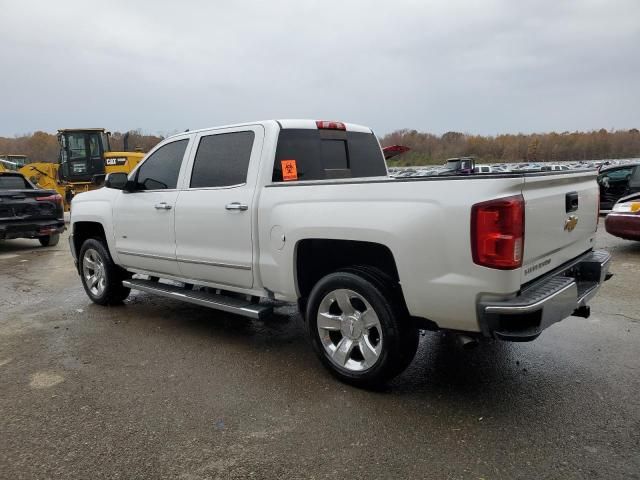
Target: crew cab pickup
{"type": "Point", "coordinates": [29, 212]}
{"type": "Point", "coordinates": [241, 217]}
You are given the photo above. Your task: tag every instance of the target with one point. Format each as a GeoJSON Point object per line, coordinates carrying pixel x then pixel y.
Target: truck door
{"type": "Point", "coordinates": [215, 214]}
{"type": "Point", "coordinates": [144, 220]}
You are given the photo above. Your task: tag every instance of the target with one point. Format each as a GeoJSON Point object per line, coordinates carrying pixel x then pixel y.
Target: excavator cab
{"type": "Point", "coordinates": [82, 154]}
{"type": "Point", "coordinates": [84, 160]}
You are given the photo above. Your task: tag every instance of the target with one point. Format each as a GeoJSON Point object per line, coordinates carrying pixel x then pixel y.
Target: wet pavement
{"type": "Point", "coordinates": [161, 389]}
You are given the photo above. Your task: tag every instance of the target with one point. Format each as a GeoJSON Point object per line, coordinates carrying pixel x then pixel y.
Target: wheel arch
{"type": "Point", "coordinates": [84, 230]}
{"type": "Point", "coordinates": [317, 257]}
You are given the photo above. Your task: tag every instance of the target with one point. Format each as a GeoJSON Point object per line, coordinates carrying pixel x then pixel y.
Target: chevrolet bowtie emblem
{"type": "Point", "coordinates": [570, 223]}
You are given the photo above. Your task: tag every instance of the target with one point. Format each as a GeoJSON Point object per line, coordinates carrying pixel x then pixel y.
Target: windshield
{"type": "Point", "coordinates": [453, 164]}
{"type": "Point", "coordinates": [76, 146]}
{"type": "Point", "coordinates": [13, 182]}
{"type": "Point", "coordinates": [94, 145]}
{"type": "Point", "coordinates": [105, 142]}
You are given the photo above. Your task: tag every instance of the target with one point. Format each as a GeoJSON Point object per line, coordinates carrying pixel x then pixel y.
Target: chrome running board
{"type": "Point", "coordinates": [239, 306]}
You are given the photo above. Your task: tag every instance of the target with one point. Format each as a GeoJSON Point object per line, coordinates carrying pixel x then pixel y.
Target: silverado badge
{"type": "Point", "coordinates": [570, 223]}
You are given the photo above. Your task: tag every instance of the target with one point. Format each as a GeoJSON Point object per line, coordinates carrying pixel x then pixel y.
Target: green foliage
{"type": "Point", "coordinates": [38, 146]}
{"type": "Point", "coordinates": [137, 141]}
{"type": "Point", "coordinates": [43, 146]}
{"type": "Point", "coordinates": [427, 148]}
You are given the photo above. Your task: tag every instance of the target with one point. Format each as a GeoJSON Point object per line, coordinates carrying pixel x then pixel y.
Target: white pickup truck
{"type": "Point", "coordinates": [240, 217]}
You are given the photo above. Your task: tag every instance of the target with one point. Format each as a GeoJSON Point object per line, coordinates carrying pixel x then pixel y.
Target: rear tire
{"type": "Point", "coordinates": [359, 328]}
{"type": "Point", "coordinates": [101, 278]}
{"type": "Point", "coordinates": [49, 240]}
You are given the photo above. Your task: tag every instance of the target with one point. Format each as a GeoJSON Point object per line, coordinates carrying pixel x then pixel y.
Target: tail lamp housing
{"type": "Point", "coordinates": [56, 198]}
{"type": "Point", "coordinates": [497, 233]}
{"type": "Point", "coordinates": [330, 125]}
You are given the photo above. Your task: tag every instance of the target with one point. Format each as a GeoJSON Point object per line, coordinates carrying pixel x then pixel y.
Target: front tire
{"type": "Point", "coordinates": [358, 328]}
{"type": "Point", "coordinates": [49, 240]}
{"type": "Point", "coordinates": [101, 278]}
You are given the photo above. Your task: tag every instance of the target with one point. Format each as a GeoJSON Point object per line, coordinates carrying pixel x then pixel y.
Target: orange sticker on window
{"type": "Point", "coordinates": [289, 170]}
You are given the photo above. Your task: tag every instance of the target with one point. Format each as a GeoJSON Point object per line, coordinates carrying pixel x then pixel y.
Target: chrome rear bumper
{"type": "Point", "coordinates": [548, 300]}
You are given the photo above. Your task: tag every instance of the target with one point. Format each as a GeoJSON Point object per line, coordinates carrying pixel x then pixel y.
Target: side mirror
{"type": "Point", "coordinates": [98, 179]}
{"type": "Point", "coordinates": [117, 180]}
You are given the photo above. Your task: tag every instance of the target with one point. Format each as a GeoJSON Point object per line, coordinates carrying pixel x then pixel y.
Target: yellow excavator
{"type": "Point", "coordinates": [84, 160]}
{"type": "Point", "coordinates": [12, 162]}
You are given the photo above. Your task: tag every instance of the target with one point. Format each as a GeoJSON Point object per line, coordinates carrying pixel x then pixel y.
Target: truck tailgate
{"type": "Point", "coordinates": [561, 215]}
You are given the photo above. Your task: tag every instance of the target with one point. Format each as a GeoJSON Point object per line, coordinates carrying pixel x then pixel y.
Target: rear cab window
{"type": "Point", "coordinates": [323, 154]}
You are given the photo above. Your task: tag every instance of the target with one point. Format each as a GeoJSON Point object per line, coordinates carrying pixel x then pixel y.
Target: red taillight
{"type": "Point", "coordinates": [326, 125]}
{"type": "Point", "coordinates": [497, 233]}
{"type": "Point", "coordinates": [50, 198]}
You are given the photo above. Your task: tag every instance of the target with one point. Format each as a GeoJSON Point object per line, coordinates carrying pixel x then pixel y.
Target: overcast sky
{"type": "Point", "coordinates": [491, 66]}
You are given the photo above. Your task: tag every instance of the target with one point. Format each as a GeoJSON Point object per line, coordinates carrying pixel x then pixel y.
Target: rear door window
{"type": "Point", "coordinates": [222, 160]}
{"type": "Point", "coordinates": [160, 171]}
{"type": "Point", "coordinates": [325, 154]}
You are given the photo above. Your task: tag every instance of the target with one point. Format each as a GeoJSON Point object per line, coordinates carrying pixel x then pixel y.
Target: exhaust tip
{"type": "Point", "coordinates": [466, 342]}
{"type": "Point", "coordinates": [584, 311]}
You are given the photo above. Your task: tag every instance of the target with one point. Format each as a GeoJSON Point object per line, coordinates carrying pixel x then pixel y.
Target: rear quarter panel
{"type": "Point", "coordinates": [425, 224]}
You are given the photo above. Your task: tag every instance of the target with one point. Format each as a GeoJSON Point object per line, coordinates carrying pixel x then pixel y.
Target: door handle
{"type": "Point", "coordinates": [571, 202]}
{"type": "Point", "coordinates": [162, 206]}
{"type": "Point", "coordinates": [237, 206]}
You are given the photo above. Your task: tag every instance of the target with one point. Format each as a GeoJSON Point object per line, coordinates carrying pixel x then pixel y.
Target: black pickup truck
{"type": "Point", "coordinates": [29, 212]}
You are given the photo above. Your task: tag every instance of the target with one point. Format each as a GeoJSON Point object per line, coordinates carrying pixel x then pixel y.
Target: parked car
{"type": "Point", "coordinates": [527, 167]}
{"type": "Point", "coordinates": [618, 181]}
{"type": "Point", "coordinates": [555, 168]}
{"type": "Point", "coordinates": [459, 165]}
{"type": "Point", "coordinates": [29, 212]}
{"type": "Point", "coordinates": [624, 220]}
{"type": "Point", "coordinates": [304, 211]}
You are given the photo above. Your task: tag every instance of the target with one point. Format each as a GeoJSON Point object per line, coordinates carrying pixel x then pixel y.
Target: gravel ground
{"type": "Point", "coordinates": [160, 389]}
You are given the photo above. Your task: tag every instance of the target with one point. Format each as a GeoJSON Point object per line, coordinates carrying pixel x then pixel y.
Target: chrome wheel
{"type": "Point", "coordinates": [349, 330]}
{"type": "Point", "coordinates": [93, 271]}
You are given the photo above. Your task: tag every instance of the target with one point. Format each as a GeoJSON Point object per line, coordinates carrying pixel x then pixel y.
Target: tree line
{"type": "Point", "coordinates": [427, 148]}
{"type": "Point", "coordinates": [44, 147]}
